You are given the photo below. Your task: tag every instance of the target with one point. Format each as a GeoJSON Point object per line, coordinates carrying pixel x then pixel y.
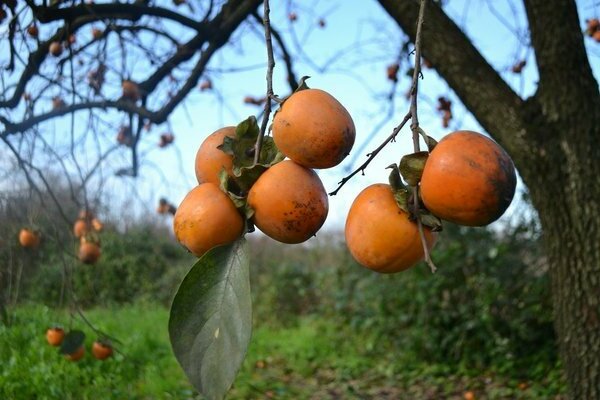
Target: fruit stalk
{"type": "Point", "coordinates": [270, 66]}
{"type": "Point", "coordinates": [414, 126]}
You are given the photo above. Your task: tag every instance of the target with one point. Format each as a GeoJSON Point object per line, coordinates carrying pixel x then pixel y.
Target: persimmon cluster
{"type": "Point", "coordinates": [86, 229]}
{"type": "Point", "coordinates": [466, 179]}
{"type": "Point", "coordinates": [284, 198]}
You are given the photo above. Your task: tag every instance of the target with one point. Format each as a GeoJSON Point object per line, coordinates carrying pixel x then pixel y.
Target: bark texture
{"type": "Point", "coordinates": [554, 139]}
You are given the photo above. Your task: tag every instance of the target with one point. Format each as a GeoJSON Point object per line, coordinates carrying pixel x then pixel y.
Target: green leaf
{"type": "Point", "coordinates": [210, 322]}
{"type": "Point", "coordinates": [72, 341]}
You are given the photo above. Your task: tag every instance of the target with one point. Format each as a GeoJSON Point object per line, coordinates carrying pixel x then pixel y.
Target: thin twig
{"type": "Point", "coordinates": [372, 154]}
{"type": "Point", "coordinates": [270, 66]}
{"type": "Point", "coordinates": [414, 126]}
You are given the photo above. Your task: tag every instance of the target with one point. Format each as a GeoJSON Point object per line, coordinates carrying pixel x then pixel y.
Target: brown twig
{"type": "Point", "coordinates": [372, 154]}
{"type": "Point", "coordinates": [414, 126]}
{"type": "Point", "coordinates": [270, 66]}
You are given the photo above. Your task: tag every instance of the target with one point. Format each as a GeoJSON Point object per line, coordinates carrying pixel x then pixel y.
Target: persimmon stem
{"type": "Point", "coordinates": [270, 96]}
{"type": "Point", "coordinates": [372, 155]}
{"type": "Point", "coordinates": [416, 130]}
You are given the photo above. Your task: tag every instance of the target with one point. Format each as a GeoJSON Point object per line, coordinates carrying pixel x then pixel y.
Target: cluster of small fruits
{"type": "Point", "coordinates": [72, 346]}
{"type": "Point", "coordinates": [285, 199]}
{"type": "Point", "coordinates": [86, 229]}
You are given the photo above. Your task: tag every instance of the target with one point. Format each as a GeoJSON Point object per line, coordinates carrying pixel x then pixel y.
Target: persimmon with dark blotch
{"type": "Point", "coordinates": [380, 235]}
{"type": "Point", "coordinates": [76, 355]}
{"type": "Point", "coordinates": [55, 336]}
{"type": "Point", "coordinates": [468, 179]}
{"type": "Point", "coordinates": [29, 238]}
{"type": "Point", "coordinates": [101, 350]}
{"type": "Point", "coordinates": [89, 251]}
{"type": "Point", "coordinates": [210, 160]}
{"type": "Point", "coordinates": [207, 218]}
{"type": "Point", "coordinates": [289, 202]}
{"type": "Point", "coordinates": [313, 129]}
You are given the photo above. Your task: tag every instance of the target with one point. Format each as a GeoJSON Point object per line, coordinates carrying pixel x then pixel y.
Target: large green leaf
{"type": "Point", "coordinates": [211, 319]}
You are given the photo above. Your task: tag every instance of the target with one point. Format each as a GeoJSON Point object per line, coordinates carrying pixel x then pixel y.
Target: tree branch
{"type": "Point", "coordinates": [495, 105]}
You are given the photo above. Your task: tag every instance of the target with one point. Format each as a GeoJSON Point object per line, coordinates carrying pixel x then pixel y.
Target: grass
{"type": "Point", "coordinates": [316, 358]}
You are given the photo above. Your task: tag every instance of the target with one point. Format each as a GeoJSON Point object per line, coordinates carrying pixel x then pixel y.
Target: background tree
{"type": "Point", "coordinates": [136, 62]}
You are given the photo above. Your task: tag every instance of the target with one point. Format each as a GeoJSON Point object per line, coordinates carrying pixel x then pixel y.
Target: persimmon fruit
{"type": "Point", "coordinates": [97, 225]}
{"type": "Point", "coordinates": [468, 179]}
{"type": "Point", "coordinates": [55, 336]}
{"type": "Point", "coordinates": [80, 228]}
{"type": "Point", "coordinates": [289, 202]}
{"type": "Point", "coordinates": [89, 252]}
{"type": "Point", "coordinates": [131, 90]}
{"type": "Point", "coordinates": [313, 129]}
{"type": "Point", "coordinates": [380, 235]}
{"type": "Point", "coordinates": [101, 350]}
{"type": "Point", "coordinates": [56, 49]}
{"type": "Point", "coordinates": [29, 239]}
{"type": "Point", "coordinates": [206, 218]}
{"type": "Point", "coordinates": [210, 160]}
{"type": "Point", "coordinates": [76, 355]}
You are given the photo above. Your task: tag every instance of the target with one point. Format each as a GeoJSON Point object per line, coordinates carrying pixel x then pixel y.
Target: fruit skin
{"type": "Point", "coordinates": [289, 201]}
{"type": "Point", "coordinates": [55, 336]}
{"type": "Point", "coordinates": [29, 239]}
{"type": "Point", "coordinates": [101, 351]}
{"type": "Point", "coordinates": [380, 235]}
{"type": "Point", "coordinates": [89, 252]}
{"type": "Point", "coordinates": [77, 355]}
{"type": "Point", "coordinates": [131, 90]}
{"type": "Point", "coordinates": [468, 179]}
{"type": "Point", "coordinates": [313, 129]}
{"type": "Point", "coordinates": [210, 160]}
{"type": "Point", "coordinates": [206, 218]}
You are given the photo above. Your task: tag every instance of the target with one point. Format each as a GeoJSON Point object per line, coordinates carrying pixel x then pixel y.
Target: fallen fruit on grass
{"type": "Point", "coordinates": [76, 355]}
{"type": "Point", "coordinates": [101, 350]}
{"type": "Point", "coordinates": [468, 179]}
{"type": "Point", "coordinates": [55, 336]}
{"type": "Point", "coordinates": [29, 238]}
{"type": "Point", "coordinates": [210, 160]}
{"type": "Point", "coordinates": [380, 236]}
{"type": "Point", "coordinates": [313, 129]}
{"type": "Point", "coordinates": [206, 218]}
{"type": "Point", "coordinates": [89, 251]}
{"type": "Point", "coordinates": [289, 202]}
{"type": "Point", "coordinates": [468, 395]}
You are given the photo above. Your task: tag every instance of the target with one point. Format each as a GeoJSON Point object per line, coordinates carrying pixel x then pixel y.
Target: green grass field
{"type": "Point", "coordinates": [314, 358]}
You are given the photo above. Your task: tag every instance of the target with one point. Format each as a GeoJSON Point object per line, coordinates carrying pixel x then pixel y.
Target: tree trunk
{"type": "Point", "coordinates": [554, 139]}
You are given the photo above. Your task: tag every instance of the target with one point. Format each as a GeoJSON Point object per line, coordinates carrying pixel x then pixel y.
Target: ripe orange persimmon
{"type": "Point", "coordinates": [56, 49]}
{"type": "Point", "coordinates": [210, 160]}
{"type": "Point", "coordinates": [29, 238]}
{"type": "Point", "coordinates": [380, 235]}
{"type": "Point", "coordinates": [206, 218]}
{"type": "Point", "coordinates": [313, 129]}
{"type": "Point", "coordinates": [80, 228]}
{"type": "Point", "coordinates": [55, 336]}
{"type": "Point", "coordinates": [468, 179]}
{"type": "Point", "coordinates": [89, 252]}
{"type": "Point", "coordinates": [97, 225]}
{"type": "Point", "coordinates": [101, 350]}
{"type": "Point", "coordinates": [289, 201]}
{"type": "Point", "coordinates": [76, 355]}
